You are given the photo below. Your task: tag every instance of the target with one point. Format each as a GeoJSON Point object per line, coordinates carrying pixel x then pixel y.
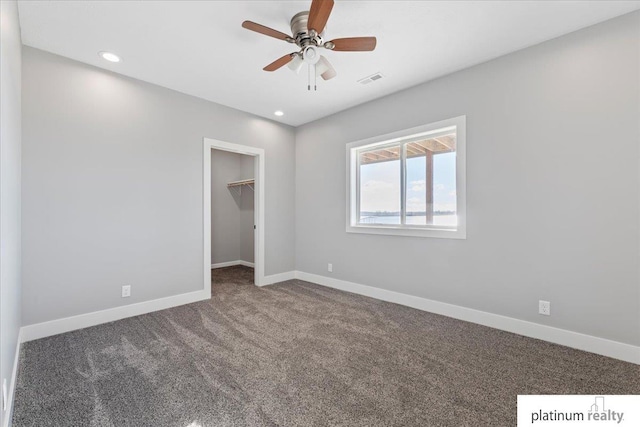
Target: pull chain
{"type": "Point", "coordinates": [311, 71]}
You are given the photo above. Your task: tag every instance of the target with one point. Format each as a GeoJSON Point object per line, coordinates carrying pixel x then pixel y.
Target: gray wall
{"type": "Point", "coordinates": [112, 187]}
{"type": "Point", "coordinates": [10, 146]}
{"type": "Point", "coordinates": [247, 219]}
{"type": "Point", "coordinates": [552, 185]}
{"type": "Point", "coordinates": [231, 210]}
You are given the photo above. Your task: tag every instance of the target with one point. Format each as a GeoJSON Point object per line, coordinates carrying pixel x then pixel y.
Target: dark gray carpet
{"type": "Point", "coordinates": [296, 354]}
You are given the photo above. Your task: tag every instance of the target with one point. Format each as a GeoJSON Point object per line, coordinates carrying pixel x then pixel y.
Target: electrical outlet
{"type": "Point", "coordinates": [126, 291]}
{"type": "Point", "coordinates": [4, 394]}
{"type": "Point", "coordinates": [330, 268]}
{"type": "Point", "coordinates": [544, 307]}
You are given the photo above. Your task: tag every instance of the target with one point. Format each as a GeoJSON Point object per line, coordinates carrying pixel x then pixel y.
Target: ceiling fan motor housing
{"type": "Point", "coordinates": [300, 32]}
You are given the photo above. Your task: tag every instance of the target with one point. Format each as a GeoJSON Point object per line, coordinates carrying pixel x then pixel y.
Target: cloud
{"type": "Point", "coordinates": [379, 195]}
{"type": "Point", "coordinates": [419, 185]}
{"type": "Point", "coordinates": [373, 186]}
{"type": "Point", "coordinates": [416, 204]}
{"type": "Point", "coordinates": [444, 207]}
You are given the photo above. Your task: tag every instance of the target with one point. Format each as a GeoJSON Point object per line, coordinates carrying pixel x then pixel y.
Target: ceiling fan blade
{"type": "Point", "coordinates": [327, 72]}
{"type": "Point", "coordinates": [279, 62]}
{"type": "Point", "coordinates": [319, 14]}
{"type": "Point", "coordinates": [265, 30]}
{"type": "Point", "coordinates": [352, 44]}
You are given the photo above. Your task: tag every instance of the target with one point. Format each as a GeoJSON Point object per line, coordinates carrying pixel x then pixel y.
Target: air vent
{"type": "Point", "coordinates": [369, 79]}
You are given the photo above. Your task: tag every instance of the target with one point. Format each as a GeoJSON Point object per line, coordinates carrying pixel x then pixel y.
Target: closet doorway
{"type": "Point", "coordinates": [233, 183]}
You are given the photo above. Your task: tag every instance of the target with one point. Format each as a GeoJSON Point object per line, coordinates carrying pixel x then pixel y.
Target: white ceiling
{"type": "Point", "coordinates": [199, 47]}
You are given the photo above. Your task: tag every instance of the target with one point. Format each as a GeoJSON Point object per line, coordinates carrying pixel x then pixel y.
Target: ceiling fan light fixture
{"type": "Point", "coordinates": [296, 64]}
{"type": "Point", "coordinates": [109, 56]}
{"type": "Point", "coordinates": [329, 74]}
{"type": "Point", "coordinates": [324, 69]}
{"type": "Point", "coordinates": [310, 55]}
{"type": "Point", "coordinates": [322, 66]}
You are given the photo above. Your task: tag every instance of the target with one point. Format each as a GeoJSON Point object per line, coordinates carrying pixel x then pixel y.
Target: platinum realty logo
{"type": "Point", "coordinates": [596, 412]}
{"type": "Point", "coordinates": [579, 410]}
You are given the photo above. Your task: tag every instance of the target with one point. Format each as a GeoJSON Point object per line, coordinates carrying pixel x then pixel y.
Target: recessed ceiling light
{"type": "Point", "coordinates": [279, 113]}
{"type": "Point", "coordinates": [111, 57]}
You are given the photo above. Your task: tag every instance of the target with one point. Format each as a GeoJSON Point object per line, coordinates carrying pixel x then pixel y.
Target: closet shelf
{"type": "Point", "coordinates": [237, 185]}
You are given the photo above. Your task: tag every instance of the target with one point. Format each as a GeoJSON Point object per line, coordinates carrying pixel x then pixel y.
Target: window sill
{"type": "Point", "coordinates": [436, 232]}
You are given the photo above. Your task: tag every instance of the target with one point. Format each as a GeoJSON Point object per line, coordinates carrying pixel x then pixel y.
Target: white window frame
{"type": "Point", "coordinates": [438, 231]}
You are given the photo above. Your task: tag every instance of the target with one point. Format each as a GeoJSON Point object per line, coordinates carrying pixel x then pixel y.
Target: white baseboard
{"type": "Point", "coordinates": [605, 347]}
{"type": "Point", "coordinates": [8, 414]}
{"type": "Point", "coordinates": [232, 263]}
{"type": "Point", "coordinates": [67, 324]}
{"type": "Point", "coordinates": [277, 278]}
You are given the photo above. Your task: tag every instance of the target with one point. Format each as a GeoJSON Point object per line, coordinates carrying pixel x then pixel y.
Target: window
{"type": "Point", "coordinates": [409, 183]}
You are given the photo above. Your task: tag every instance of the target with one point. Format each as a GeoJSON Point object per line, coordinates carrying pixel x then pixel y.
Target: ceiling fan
{"type": "Point", "coordinates": [307, 29]}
